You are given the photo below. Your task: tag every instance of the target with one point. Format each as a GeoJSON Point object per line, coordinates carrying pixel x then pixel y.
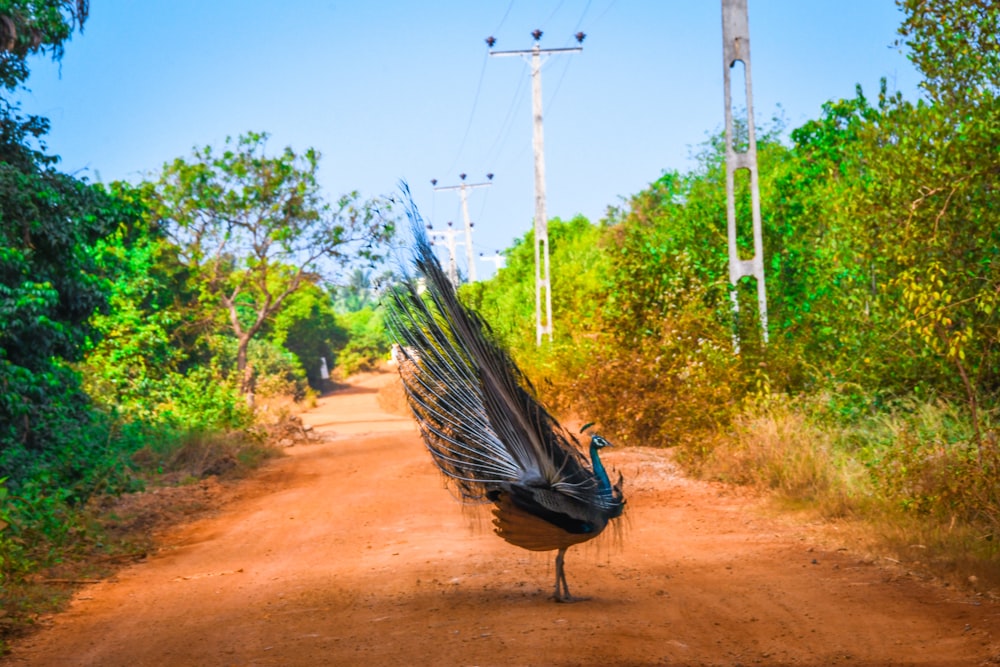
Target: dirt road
{"type": "Point", "coordinates": [350, 552]}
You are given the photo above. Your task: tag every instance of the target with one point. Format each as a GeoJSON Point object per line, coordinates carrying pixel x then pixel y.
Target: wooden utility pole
{"type": "Point", "coordinates": [542, 275]}
{"type": "Point", "coordinates": [462, 188]}
{"type": "Point", "coordinates": [736, 49]}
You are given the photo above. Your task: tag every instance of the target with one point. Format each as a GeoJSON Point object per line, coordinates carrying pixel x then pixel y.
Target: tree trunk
{"type": "Point", "coordinates": [245, 370]}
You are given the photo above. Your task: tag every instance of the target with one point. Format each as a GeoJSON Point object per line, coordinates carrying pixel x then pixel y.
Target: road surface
{"type": "Point", "coordinates": [352, 552]}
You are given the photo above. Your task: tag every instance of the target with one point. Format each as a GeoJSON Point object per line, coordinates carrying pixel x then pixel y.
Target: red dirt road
{"type": "Point", "coordinates": [350, 552]}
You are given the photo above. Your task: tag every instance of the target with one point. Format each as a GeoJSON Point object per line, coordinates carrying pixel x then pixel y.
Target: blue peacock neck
{"type": "Point", "coordinates": [603, 482]}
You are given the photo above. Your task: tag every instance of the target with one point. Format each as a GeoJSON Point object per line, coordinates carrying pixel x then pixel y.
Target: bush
{"type": "Point", "coordinates": [367, 341]}
{"type": "Point", "coordinates": [925, 459]}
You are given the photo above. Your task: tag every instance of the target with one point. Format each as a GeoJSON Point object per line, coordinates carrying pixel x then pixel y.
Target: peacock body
{"type": "Point", "coordinates": [483, 426]}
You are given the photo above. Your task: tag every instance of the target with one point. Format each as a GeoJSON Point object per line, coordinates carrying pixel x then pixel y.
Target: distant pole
{"type": "Point", "coordinates": [448, 235]}
{"type": "Point", "coordinates": [462, 188]}
{"type": "Point", "coordinates": [736, 48]}
{"type": "Point", "coordinates": [542, 275]}
{"type": "Point", "coordinates": [499, 261]}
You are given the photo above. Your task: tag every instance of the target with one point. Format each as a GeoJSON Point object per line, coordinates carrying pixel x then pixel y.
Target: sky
{"type": "Point", "coordinates": [397, 91]}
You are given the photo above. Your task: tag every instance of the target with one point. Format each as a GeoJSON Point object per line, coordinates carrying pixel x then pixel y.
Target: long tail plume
{"type": "Point", "coordinates": [477, 412]}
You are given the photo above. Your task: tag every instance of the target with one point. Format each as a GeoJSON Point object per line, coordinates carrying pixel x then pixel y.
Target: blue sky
{"type": "Point", "coordinates": [405, 90]}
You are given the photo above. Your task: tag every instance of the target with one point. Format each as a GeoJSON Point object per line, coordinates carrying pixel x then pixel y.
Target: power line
{"type": "Point", "coordinates": [554, 12]}
{"type": "Point", "coordinates": [493, 154]}
{"type": "Point", "coordinates": [555, 91]}
{"type": "Point", "coordinates": [586, 9]}
{"type": "Point", "coordinates": [606, 10]}
{"type": "Point", "coordinates": [505, 15]}
{"type": "Point", "coordinates": [472, 114]}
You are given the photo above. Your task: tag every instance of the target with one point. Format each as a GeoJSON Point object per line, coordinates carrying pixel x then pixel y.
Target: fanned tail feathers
{"type": "Point", "coordinates": [476, 410]}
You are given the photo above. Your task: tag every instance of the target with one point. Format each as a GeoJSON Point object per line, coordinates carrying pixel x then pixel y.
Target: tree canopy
{"type": "Point", "coordinates": [253, 229]}
{"type": "Point", "coordinates": [29, 27]}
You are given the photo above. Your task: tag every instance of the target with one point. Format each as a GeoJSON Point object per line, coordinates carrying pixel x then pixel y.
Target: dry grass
{"type": "Point", "coordinates": [781, 452]}
{"type": "Point", "coordinates": [906, 491]}
{"type": "Point", "coordinates": [200, 454]}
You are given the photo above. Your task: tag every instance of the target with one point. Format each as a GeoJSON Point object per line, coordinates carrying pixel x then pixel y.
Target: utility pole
{"type": "Point", "coordinates": [736, 49]}
{"type": "Point", "coordinates": [462, 187]}
{"type": "Point", "coordinates": [449, 238]}
{"type": "Point", "coordinates": [542, 276]}
{"type": "Point", "coordinates": [499, 261]}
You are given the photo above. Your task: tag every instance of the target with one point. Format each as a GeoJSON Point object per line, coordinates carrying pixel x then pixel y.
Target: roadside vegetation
{"type": "Point", "coordinates": [154, 333]}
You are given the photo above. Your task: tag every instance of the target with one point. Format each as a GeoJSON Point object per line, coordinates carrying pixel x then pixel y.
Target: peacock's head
{"type": "Point", "coordinates": [598, 442]}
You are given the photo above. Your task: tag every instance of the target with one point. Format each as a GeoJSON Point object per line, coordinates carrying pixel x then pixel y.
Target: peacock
{"type": "Point", "coordinates": [485, 429]}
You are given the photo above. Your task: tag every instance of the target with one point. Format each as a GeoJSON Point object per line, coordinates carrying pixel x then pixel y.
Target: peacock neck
{"type": "Point", "coordinates": [603, 482]}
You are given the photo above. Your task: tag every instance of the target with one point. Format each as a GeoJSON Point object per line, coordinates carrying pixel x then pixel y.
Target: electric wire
{"type": "Point", "coordinates": [472, 114]}
{"type": "Point", "coordinates": [504, 19]}
{"type": "Point", "coordinates": [496, 149]}
{"type": "Point", "coordinates": [568, 64]}
{"type": "Point", "coordinates": [606, 10]}
{"type": "Point", "coordinates": [554, 12]}
{"type": "Point", "coordinates": [586, 9]}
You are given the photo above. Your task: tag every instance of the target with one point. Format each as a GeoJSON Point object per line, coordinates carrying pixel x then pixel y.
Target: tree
{"type": "Point", "coordinates": [254, 229]}
{"type": "Point", "coordinates": [28, 27]}
{"type": "Point", "coordinates": [50, 285]}
{"type": "Point", "coordinates": [954, 45]}
{"type": "Point", "coordinates": [49, 289]}
{"type": "Point", "coordinates": [309, 328]}
{"type": "Point", "coordinates": [358, 293]}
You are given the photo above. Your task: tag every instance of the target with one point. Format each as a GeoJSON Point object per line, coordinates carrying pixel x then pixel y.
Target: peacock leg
{"type": "Point", "coordinates": [562, 588]}
{"type": "Point", "coordinates": [560, 578]}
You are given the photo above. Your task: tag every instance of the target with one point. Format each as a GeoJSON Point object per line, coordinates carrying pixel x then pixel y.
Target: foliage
{"type": "Point", "coordinates": [508, 300]}
{"type": "Point", "coordinates": [309, 328]}
{"type": "Point", "coordinates": [28, 27]}
{"type": "Point", "coordinates": [954, 46]}
{"type": "Point", "coordinates": [152, 331]}
{"type": "Point", "coordinates": [881, 251]}
{"type": "Point", "coordinates": [253, 229]}
{"type": "Point", "coordinates": [275, 370]}
{"type": "Point", "coordinates": [356, 293]}
{"type": "Point", "coordinates": [367, 341]}
{"type": "Point", "coordinates": [133, 318]}
{"type": "Point", "coordinates": [50, 286]}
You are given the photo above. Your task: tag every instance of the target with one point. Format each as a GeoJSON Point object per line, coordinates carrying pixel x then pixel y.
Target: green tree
{"type": "Point", "coordinates": [357, 293]}
{"type": "Point", "coordinates": [50, 282]}
{"type": "Point", "coordinates": [954, 45]}
{"type": "Point", "coordinates": [49, 289]}
{"type": "Point", "coordinates": [153, 332]}
{"type": "Point", "coordinates": [29, 27]}
{"type": "Point", "coordinates": [254, 229]}
{"type": "Point", "coordinates": [309, 328]}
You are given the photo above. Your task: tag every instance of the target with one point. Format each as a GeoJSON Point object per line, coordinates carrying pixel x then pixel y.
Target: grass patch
{"type": "Point", "coordinates": [915, 478]}
{"type": "Point", "coordinates": [199, 454]}
{"type": "Point", "coordinates": [780, 451]}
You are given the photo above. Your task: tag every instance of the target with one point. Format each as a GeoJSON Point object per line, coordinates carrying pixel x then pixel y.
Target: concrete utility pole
{"type": "Point", "coordinates": [542, 279]}
{"type": "Point", "coordinates": [462, 187]}
{"type": "Point", "coordinates": [498, 260]}
{"type": "Point", "coordinates": [736, 49]}
{"type": "Point", "coordinates": [449, 238]}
